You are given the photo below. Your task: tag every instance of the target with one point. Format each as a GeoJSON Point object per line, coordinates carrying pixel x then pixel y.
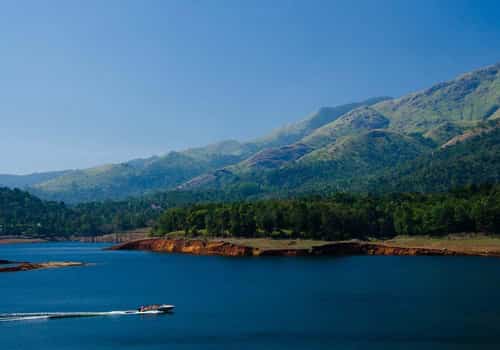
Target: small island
{"type": "Point", "coordinates": [13, 266]}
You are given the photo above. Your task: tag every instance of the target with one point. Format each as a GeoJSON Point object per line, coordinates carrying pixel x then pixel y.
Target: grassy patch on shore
{"type": "Point", "coordinates": [473, 242]}
{"type": "Point", "coordinates": [261, 243]}
{"type": "Point", "coordinates": [270, 244]}
{"type": "Point", "coordinates": [467, 242]}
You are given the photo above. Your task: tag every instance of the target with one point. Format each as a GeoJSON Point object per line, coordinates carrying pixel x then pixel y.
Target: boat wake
{"type": "Point", "coordinates": [9, 317]}
{"type": "Point", "coordinates": [23, 318]}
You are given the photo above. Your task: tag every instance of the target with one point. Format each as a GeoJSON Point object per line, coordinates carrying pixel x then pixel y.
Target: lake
{"type": "Point", "coordinates": [359, 302]}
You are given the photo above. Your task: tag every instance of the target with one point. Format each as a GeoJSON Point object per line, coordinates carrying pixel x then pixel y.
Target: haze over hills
{"type": "Point", "coordinates": [140, 176]}
{"type": "Point", "coordinates": [348, 147]}
{"type": "Point", "coordinates": [21, 181]}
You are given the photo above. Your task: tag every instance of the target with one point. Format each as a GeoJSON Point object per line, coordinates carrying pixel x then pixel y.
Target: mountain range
{"type": "Point", "coordinates": [444, 136]}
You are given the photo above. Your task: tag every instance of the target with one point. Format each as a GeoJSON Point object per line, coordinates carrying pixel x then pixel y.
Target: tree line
{"type": "Point", "coordinates": [342, 216]}
{"type": "Point", "coordinates": [218, 213]}
{"type": "Point", "coordinates": [22, 213]}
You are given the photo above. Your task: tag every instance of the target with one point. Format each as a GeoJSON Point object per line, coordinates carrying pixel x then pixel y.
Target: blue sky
{"type": "Point", "coordinates": [91, 82]}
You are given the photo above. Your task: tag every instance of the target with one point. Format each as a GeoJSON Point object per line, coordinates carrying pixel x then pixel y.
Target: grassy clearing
{"type": "Point", "coordinates": [460, 242]}
{"type": "Point", "coordinates": [269, 243]}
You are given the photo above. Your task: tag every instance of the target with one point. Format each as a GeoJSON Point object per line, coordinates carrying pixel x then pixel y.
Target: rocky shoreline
{"type": "Point", "coordinates": [14, 266]}
{"type": "Point", "coordinates": [224, 248]}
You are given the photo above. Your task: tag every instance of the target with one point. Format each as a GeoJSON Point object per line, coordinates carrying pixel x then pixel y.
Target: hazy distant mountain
{"type": "Point", "coordinates": [140, 176]}
{"type": "Point", "coordinates": [133, 178]}
{"type": "Point", "coordinates": [419, 137]}
{"type": "Point", "coordinates": [21, 181]}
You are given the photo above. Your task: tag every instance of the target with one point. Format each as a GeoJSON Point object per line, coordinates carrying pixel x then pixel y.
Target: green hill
{"type": "Point", "coordinates": [354, 122]}
{"type": "Point", "coordinates": [375, 147]}
{"type": "Point", "coordinates": [339, 148]}
{"type": "Point", "coordinates": [339, 155]}
{"type": "Point", "coordinates": [474, 160]}
{"type": "Point", "coordinates": [473, 96]}
{"type": "Point", "coordinates": [443, 132]}
{"type": "Point", "coordinates": [292, 133]}
{"type": "Point", "coordinates": [22, 213]}
{"type": "Point", "coordinates": [334, 166]}
{"type": "Point", "coordinates": [22, 181]}
{"type": "Point", "coordinates": [329, 131]}
{"type": "Point", "coordinates": [141, 176]}
{"type": "Point", "coordinates": [119, 181]}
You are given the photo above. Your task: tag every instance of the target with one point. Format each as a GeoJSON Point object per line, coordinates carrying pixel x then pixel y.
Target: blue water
{"type": "Point", "coordinates": [248, 303]}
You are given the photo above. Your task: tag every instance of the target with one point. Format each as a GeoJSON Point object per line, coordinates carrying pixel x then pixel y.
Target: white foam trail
{"type": "Point", "coordinates": [49, 315]}
{"type": "Point", "coordinates": [25, 318]}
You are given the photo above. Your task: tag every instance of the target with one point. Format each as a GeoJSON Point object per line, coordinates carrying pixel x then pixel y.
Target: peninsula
{"type": "Point", "coordinates": [269, 247]}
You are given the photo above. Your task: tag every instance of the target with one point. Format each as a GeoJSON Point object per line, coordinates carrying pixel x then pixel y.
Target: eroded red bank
{"type": "Point", "coordinates": [223, 248]}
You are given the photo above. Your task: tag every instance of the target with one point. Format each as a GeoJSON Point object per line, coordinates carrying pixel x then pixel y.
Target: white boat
{"type": "Point", "coordinates": [156, 308]}
{"type": "Point", "coordinates": [143, 310]}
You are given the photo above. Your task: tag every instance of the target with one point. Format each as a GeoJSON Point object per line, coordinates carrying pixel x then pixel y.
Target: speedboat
{"type": "Point", "coordinates": [143, 310]}
{"type": "Point", "coordinates": [156, 308]}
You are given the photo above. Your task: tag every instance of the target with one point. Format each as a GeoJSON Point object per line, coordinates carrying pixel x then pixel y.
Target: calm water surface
{"type": "Point", "coordinates": [248, 303]}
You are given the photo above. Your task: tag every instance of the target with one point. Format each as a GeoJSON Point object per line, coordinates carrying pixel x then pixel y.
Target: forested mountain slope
{"type": "Point", "coordinates": [471, 97]}
{"type": "Point", "coordinates": [432, 118]}
{"type": "Point", "coordinates": [473, 160]}
{"type": "Point", "coordinates": [336, 148]}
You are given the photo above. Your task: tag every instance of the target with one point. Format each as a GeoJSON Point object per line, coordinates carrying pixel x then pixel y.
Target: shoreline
{"type": "Point", "coordinates": [115, 237]}
{"type": "Point", "coordinates": [463, 244]}
{"type": "Point", "coordinates": [230, 248]}
{"type": "Point", "coordinates": [21, 240]}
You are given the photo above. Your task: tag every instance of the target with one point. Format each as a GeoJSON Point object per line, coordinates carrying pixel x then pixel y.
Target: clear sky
{"type": "Point", "coordinates": [91, 82]}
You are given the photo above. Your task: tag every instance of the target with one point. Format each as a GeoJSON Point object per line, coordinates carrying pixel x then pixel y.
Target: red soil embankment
{"type": "Point", "coordinates": [223, 248]}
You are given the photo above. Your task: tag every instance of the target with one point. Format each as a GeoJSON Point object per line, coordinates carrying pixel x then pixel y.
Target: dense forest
{"type": "Point", "coordinates": [342, 216]}
{"type": "Point", "coordinates": [24, 214]}
{"type": "Point", "coordinates": [337, 216]}
{"type": "Point", "coordinates": [476, 160]}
